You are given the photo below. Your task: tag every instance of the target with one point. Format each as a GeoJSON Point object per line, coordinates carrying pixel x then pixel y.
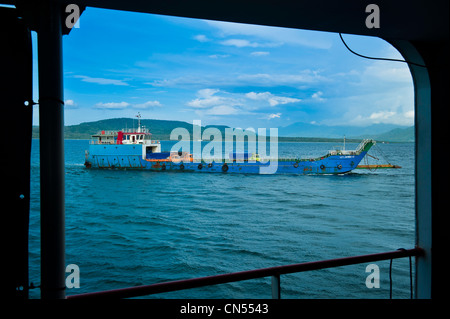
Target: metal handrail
{"type": "Point", "coordinates": [275, 272]}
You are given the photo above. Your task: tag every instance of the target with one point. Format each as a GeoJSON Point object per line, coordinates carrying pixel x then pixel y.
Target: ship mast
{"type": "Point", "coordinates": [139, 122]}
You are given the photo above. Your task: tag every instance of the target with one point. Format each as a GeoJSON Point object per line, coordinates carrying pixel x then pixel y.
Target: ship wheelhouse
{"type": "Point", "coordinates": [143, 137]}
{"type": "Point", "coordinates": [129, 138]}
{"type": "Point", "coordinates": [104, 137]}
{"type": "Point", "coordinates": [133, 137]}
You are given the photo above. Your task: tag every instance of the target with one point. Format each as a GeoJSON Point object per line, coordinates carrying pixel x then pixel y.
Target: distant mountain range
{"type": "Point", "coordinates": [398, 135]}
{"type": "Point", "coordinates": [385, 132]}
{"type": "Point", "coordinates": [161, 130]}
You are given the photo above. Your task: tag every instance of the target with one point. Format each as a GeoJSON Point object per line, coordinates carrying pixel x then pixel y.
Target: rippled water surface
{"type": "Point", "coordinates": [127, 228]}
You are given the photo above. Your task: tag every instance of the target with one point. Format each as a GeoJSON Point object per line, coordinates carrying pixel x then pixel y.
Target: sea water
{"type": "Point", "coordinates": [129, 227]}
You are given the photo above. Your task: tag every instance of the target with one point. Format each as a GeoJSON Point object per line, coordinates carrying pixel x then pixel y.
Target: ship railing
{"type": "Point", "coordinates": [147, 142]}
{"type": "Point", "coordinates": [95, 142]}
{"type": "Point", "coordinates": [105, 132]}
{"type": "Point", "coordinates": [273, 272]}
{"type": "Point", "coordinates": [127, 130]}
{"type": "Point", "coordinates": [135, 130]}
{"type": "Point", "coordinates": [251, 160]}
{"type": "Point", "coordinates": [339, 151]}
{"type": "Point", "coordinates": [363, 144]}
{"type": "Point", "coordinates": [342, 152]}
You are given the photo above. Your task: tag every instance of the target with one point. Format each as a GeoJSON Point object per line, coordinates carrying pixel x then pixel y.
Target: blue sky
{"type": "Point", "coordinates": [120, 63]}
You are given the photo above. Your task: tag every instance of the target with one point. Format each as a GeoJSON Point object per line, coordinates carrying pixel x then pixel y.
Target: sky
{"type": "Point", "coordinates": [117, 64]}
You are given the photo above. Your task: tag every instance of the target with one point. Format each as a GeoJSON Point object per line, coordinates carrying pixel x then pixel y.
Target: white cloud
{"type": "Point", "coordinates": [147, 105]}
{"type": "Point", "coordinates": [123, 105]}
{"type": "Point", "coordinates": [258, 77]}
{"type": "Point", "coordinates": [112, 105]}
{"type": "Point", "coordinates": [215, 104]}
{"type": "Point", "coordinates": [273, 100]}
{"type": "Point", "coordinates": [378, 117]}
{"type": "Point", "coordinates": [409, 114]}
{"type": "Point", "coordinates": [204, 103]}
{"type": "Point", "coordinates": [218, 56]}
{"type": "Point", "coordinates": [184, 81]}
{"type": "Point", "coordinates": [70, 104]}
{"type": "Point", "coordinates": [386, 117]}
{"type": "Point", "coordinates": [302, 77]}
{"type": "Point", "coordinates": [222, 79]}
{"type": "Point", "coordinates": [259, 53]}
{"type": "Point", "coordinates": [222, 110]}
{"type": "Point", "coordinates": [275, 35]}
{"type": "Point", "coordinates": [201, 38]}
{"type": "Point", "coordinates": [206, 99]}
{"type": "Point", "coordinates": [102, 81]}
{"type": "Point", "coordinates": [318, 96]}
{"type": "Point", "coordinates": [240, 43]}
{"type": "Point", "coordinates": [389, 72]}
{"type": "Point", "coordinates": [274, 116]}
{"type": "Point", "coordinates": [207, 93]}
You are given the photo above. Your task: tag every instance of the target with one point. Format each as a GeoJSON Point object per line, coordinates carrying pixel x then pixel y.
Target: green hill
{"type": "Point", "coordinates": [161, 130]}
{"type": "Point", "coordinates": [397, 135]}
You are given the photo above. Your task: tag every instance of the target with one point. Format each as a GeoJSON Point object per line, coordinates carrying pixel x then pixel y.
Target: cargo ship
{"type": "Point", "coordinates": [135, 149]}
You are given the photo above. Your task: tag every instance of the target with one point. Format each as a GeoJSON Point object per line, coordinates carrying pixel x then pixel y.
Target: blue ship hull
{"type": "Point", "coordinates": [130, 156]}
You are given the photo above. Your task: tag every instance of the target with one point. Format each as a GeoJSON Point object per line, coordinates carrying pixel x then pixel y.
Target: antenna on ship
{"type": "Point", "coordinates": [139, 122]}
{"type": "Point", "coordinates": [344, 142]}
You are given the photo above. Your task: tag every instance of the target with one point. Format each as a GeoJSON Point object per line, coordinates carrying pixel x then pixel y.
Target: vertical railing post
{"type": "Point", "coordinates": [276, 287]}
{"type": "Point", "coordinates": [51, 125]}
